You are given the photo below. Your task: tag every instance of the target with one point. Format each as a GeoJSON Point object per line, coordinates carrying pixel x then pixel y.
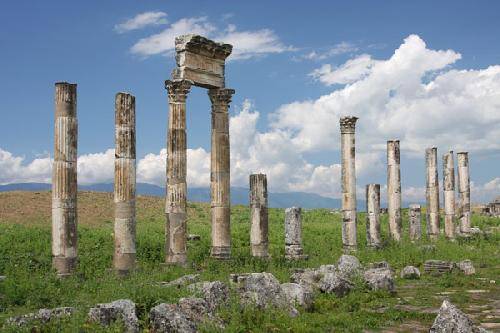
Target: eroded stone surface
{"type": "Point", "coordinates": [120, 310]}
{"type": "Point", "coordinates": [42, 316]}
{"type": "Point", "coordinates": [298, 294]}
{"type": "Point", "coordinates": [379, 279]}
{"type": "Point", "coordinates": [214, 293]}
{"type": "Point", "coordinates": [333, 283]}
{"type": "Point", "coordinates": [466, 267]}
{"type": "Point", "coordinates": [348, 266]}
{"type": "Point", "coordinates": [410, 272]}
{"type": "Point", "coordinates": [437, 267]}
{"type": "Point", "coordinates": [182, 281]}
{"type": "Point", "coordinates": [451, 320]}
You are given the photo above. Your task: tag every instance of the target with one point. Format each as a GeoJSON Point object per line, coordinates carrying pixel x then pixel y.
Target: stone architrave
{"type": "Point", "coordinates": [259, 227]}
{"type": "Point", "coordinates": [415, 221]}
{"type": "Point", "coordinates": [432, 193]}
{"type": "Point", "coordinates": [293, 234]}
{"type": "Point", "coordinates": [394, 189]}
{"type": "Point", "coordinates": [373, 215]}
{"type": "Point", "coordinates": [449, 194]}
{"type": "Point", "coordinates": [464, 191]}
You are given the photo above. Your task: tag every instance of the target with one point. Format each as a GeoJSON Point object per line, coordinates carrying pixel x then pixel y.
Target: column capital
{"type": "Point", "coordinates": [348, 124]}
{"type": "Point", "coordinates": [178, 89]}
{"type": "Point", "coordinates": [220, 96]}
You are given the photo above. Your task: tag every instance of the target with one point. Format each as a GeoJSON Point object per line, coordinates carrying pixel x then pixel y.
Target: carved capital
{"type": "Point", "coordinates": [201, 45]}
{"type": "Point", "coordinates": [220, 97]}
{"type": "Point", "coordinates": [348, 124]}
{"type": "Point", "coordinates": [178, 89]}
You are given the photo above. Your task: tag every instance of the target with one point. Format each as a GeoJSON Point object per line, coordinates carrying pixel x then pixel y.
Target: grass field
{"type": "Point", "coordinates": [25, 258]}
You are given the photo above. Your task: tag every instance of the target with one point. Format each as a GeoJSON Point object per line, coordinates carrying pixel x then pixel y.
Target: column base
{"type": "Point", "coordinates": [64, 266]}
{"type": "Point", "coordinates": [347, 249]}
{"type": "Point", "coordinates": [295, 252]}
{"type": "Point", "coordinates": [260, 250]}
{"type": "Point", "coordinates": [221, 252]}
{"type": "Point", "coordinates": [176, 259]}
{"type": "Point", "coordinates": [124, 263]}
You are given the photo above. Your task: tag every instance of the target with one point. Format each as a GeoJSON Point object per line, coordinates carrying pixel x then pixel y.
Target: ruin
{"type": "Point", "coordinates": [432, 193]}
{"type": "Point", "coordinates": [348, 153]}
{"type": "Point", "coordinates": [449, 194]}
{"type": "Point", "coordinates": [394, 189]}
{"type": "Point", "coordinates": [463, 191]}
{"type": "Point", "coordinates": [415, 221]}
{"type": "Point", "coordinates": [259, 227]}
{"type": "Point", "coordinates": [200, 62]}
{"type": "Point", "coordinates": [125, 183]}
{"type": "Point", "coordinates": [293, 234]}
{"type": "Point", "coordinates": [494, 207]}
{"type": "Point", "coordinates": [373, 215]}
{"type": "Point", "coordinates": [64, 180]}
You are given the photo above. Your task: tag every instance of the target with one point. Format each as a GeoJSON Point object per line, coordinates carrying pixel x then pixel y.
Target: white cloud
{"type": "Point", "coordinates": [353, 70]}
{"type": "Point", "coordinates": [142, 20]}
{"type": "Point", "coordinates": [13, 169]}
{"type": "Point", "coordinates": [322, 54]}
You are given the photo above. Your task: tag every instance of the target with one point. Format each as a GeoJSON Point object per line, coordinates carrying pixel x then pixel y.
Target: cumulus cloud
{"type": "Point", "coordinates": [14, 169]}
{"type": "Point", "coordinates": [323, 54]}
{"type": "Point", "coordinates": [142, 20]}
{"type": "Point", "coordinates": [353, 70]}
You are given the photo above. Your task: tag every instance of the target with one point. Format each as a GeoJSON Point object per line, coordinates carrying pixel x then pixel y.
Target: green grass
{"type": "Point", "coordinates": [25, 258]}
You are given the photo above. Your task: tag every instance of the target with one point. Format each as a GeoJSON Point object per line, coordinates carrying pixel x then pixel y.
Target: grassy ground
{"type": "Point", "coordinates": [31, 284]}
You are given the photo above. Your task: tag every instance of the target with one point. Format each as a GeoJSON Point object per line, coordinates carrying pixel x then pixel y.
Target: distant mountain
{"type": "Point", "coordinates": [239, 195]}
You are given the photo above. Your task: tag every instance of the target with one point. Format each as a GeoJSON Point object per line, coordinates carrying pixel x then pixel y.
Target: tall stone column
{"type": "Point", "coordinates": [64, 180]}
{"type": "Point", "coordinates": [175, 205]}
{"type": "Point", "coordinates": [220, 173]}
{"type": "Point", "coordinates": [347, 147]}
{"type": "Point", "coordinates": [449, 194]}
{"type": "Point", "coordinates": [125, 175]}
{"type": "Point", "coordinates": [259, 218]}
{"type": "Point", "coordinates": [293, 234]}
{"type": "Point", "coordinates": [464, 191]}
{"type": "Point", "coordinates": [432, 193]}
{"type": "Point", "coordinates": [415, 221]}
{"type": "Point", "coordinates": [394, 189]}
{"type": "Point", "coordinates": [373, 215]}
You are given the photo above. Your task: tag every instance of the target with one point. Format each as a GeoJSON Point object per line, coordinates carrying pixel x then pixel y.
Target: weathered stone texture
{"type": "Point", "coordinates": [437, 267]}
{"type": "Point", "coordinates": [259, 216]}
{"type": "Point", "coordinates": [394, 189]}
{"type": "Point", "coordinates": [293, 234]}
{"type": "Point", "coordinates": [121, 310]}
{"type": "Point", "coordinates": [464, 191]}
{"type": "Point", "coordinates": [449, 194]}
{"type": "Point", "coordinates": [432, 193]}
{"type": "Point", "coordinates": [415, 220]}
{"type": "Point", "coordinates": [373, 215]}
{"type": "Point", "coordinates": [451, 320]}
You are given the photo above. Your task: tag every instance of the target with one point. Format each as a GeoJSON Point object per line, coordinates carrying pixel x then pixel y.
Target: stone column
{"type": "Point", "coordinates": [259, 217]}
{"type": "Point", "coordinates": [464, 191]}
{"type": "Point", "coordinates": [373, 215]}
{"type": "Point", "coordinates": [220, 173]}
{"type": "Point", "coordinates": [64, 180]}
{"type": "Point", "coordinates": [347, 146]}
{"type": "Point", "coordinates": [415, 221]}
{"type": "Point", "coordinates": [432, 193]}
{"type": "Point", "coordinates": [175, 205]}
{"type": "Point", "coordinates": [124, 256]}
{"type": "Point", "coordinates": [394, 189]}
{"type": "Point", "coordinates": [449, 194]}
{"type": "Point", "coordinates": [293, 234]}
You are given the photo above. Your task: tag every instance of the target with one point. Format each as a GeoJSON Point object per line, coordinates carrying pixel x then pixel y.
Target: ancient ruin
{"type": "Point", "coordinates": [432, 193]}
{"type": "Point", "coordinates": [463, 191]}
{"type": "Point", "coordinates": [259, 228]}
{"type": "Point", "coordinates": [415, 221]}
{"type": "Point", "coordinates": [293, 234]}
{"type": "Point", "coordinates": [64, 180]}
{"type": "Point", "coordinates": [373, 215]}
{"type": "Point", "coordinates": [200, 62]}
{"type": "Point", "coordinates": [394, 189]}
{"type": "Point", "coordinates": [125, 183]}
{"type": "Point", "coordinates": [449, 194]}
{"type": "Point", "coordinates": [348, 153]}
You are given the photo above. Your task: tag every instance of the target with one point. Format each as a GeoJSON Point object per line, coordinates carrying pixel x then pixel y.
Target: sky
{"type": "Point", "coordinates": [426, 73]}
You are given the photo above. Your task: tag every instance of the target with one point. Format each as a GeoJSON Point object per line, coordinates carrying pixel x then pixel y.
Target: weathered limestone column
{"type": "Point", "coordinates": [449, 194]}
{"type": "Point", "coordinates": [464, 191]}
{"type": "Point", "coordinates": [64, 180]}
{"type": "Point", "coordinates": [124, 256]}
{"type": "Point", "coordinates": [220, 173]}
{"type": "Point", "coordinates": [394, 189]}
{"type": "Point", "coordinates": [259, 218]}
{"type": "Point", "coordinates": [347, 146]}
{"type": "Point", "coordinates": [293, 234]}
{"type": "Point", "coordinates": [373, 215]}
{"type": "Point", "coordinates": [175, 205]}
{"type": "Point", "coordinates": [432, 193]}
{"type": "Point", "coordinates": [415, 220]}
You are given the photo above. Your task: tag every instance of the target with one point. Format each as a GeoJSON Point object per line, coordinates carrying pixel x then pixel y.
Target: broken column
{"type": "Point", "coordinates": [449, 194]}
{"type": "Point", "coordinates": [258, 216]}
{"type": "Point", "coordinates": [64, 180]}
{"type": "Point", "coordinates": [373, 215]}
{"type": "Point", "coordinates": [220, 173]}
{"type": "Point", "coordinates": [464, 191]}
{"type": "Point", "coordinates": [432, 193]}
{"type": "Point", "coordinates": [347, 146]}
{"type": "Point", "coordinates": [175, 205]}
{"type": "Point", "coordinates": [293, 234]}
{"type": "Point", "coordinates": [124, 191]}
{"type": "Point", "coordinates": [394, 189]}
{"type": "Point", "coordinates": [415, 221]}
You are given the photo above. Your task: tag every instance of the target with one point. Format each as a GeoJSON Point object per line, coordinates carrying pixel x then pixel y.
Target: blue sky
{"type": "Point", "coordinates": [294, 64]}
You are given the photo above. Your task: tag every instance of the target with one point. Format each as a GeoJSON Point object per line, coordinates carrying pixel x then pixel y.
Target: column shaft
{"type": "Point", "coordinates": [373, 215]}
{"type": "Point", "coordinates": [125, 183]}
{"type": "Point", "coordinates": [293, 234]}
{"type": "Point", "coordinates": [449, 195]}
{"type": "Point", "coordinates": [220, 173]}
{"type": "Point", "coordinates": [464, 191]}
{"type": "Point", "coordinates": [415, 221]}
{"type": "Point", "coordinates": [394, 189]}
{"type": "Point", "coordinates": [64, 180]}
{"type": "Point", "coordinates": [432, 193]}
{"type": "Point", "coordinates": [259, 217]}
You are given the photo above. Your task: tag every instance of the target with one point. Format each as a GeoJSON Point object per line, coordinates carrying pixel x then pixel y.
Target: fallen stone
{"type": "Point", "coordinates": [169, 318]}
{"type": "Point", "coordinates": [333, 283]}
{"type": "Point", "coordinates": [438, 267]}
{"type": "Point", "coordinates": [466, 267]}
{"type": "Point", "coordinates": [410, 272]}
{"type": "Point", "coordinates": [308, 278]}
{"type": "Point", "coordinates": [298, 294]}
{"type": "Point", "coordinates": [193, 237]}
{"type": "Point", "coordinates": [379, 279]}
{"type": "Point", "coordinates": [323, 269]}
{"type": "Point", "coordinates": [182, 281]}
{"type": "Point", "coordinates": [2, 278]}
{"type": "Point", "coordinates": [42, 316]}
{"type": "Point", "coordinates": [451, 320]}
{"type": "Point", "coordinates": [380, 264]}
{"type": "Point", "coordinates": [121, 310]}
{"type": "Point", "coordinates": [214, 293]}
{"type": "Point", "coordinates": [348, 266]}
{"type": "Point", "coordinates": [475, 231]}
